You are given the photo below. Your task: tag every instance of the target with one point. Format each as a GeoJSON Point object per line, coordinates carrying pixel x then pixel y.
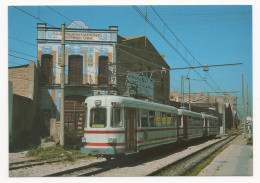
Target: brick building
{"type": "Point", "coordinates": [23, 93]}
{"type": "Point", "coordinates": [98, 61]}
{"type": "Point", "coordinates": [134, 53]}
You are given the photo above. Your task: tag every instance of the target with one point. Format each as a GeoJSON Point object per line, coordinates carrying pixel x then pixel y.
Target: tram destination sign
{"type": "Point", "coordinates": [140, 85]}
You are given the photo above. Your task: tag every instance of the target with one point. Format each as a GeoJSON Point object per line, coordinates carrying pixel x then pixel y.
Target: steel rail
{"type": "Point", "coordinates": [38, 162]}
{"type": "Point", "coordinates": [87, 170]}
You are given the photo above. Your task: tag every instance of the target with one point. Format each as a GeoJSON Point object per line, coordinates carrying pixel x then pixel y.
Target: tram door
{"type": "Point", "coordinates": [130, 131]}
{"type": "Point", "coordinates": [185, 127]}
{"type": "Point", "coordinates": [206, 127]}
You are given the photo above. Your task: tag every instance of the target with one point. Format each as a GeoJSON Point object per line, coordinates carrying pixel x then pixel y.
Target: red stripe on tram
{"type": "Point", "coordinates": [103, 132]}
{"type": "Point", "coordinates": [105, 144]}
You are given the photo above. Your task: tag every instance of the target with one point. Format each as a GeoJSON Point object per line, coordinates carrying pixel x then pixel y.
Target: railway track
{"type": "Point", "coordinates": [33, 162]}
{"type": "Point", "coordinates": [182, 165]}
{"type": "Point", "coordinates": [88, 170]}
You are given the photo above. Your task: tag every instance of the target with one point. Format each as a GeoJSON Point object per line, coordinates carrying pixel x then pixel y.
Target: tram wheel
{"type": "Point", "coordinates": [108, 158]}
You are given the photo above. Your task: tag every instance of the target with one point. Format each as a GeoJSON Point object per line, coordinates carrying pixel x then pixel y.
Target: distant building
{"type": "Point", "coordinates": [203, 100]}
{"type": "Point", "coordinates": [98, 61]}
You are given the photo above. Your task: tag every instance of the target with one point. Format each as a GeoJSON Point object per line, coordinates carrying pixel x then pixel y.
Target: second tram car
{"type": "Point", "coordinates": [190, 124]}
{"type": "Point", "coordinates": [211, 125]}
{"type": "Point", "coordinates": [123, 125]}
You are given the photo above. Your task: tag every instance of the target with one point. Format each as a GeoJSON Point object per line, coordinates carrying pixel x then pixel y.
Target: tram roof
{"type": "Point", "coordinates": [188, 113]}
{"type": "Point", "coordinates": [209, 116]}
{"type": "Point", "coordinates": [121, 99]}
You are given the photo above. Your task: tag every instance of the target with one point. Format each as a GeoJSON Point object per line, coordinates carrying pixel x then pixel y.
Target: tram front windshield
{"type": "Point", "coordinates": [98, 117]}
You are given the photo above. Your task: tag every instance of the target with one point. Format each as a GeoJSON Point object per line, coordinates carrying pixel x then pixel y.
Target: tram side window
{"type": "Point", "coordinates": [116, 120]}
{"type": "Point", "coordinates": [190, 121]}
{"type": "Point", "coordinates": [164, 119]}
{"type": "Point", "coordinates": [168, 119]}
{"type": "Point", "coordinates": [98, 117]}
{"type": "Point", "coordinates": [152, 118]}
{"type": "Point", "coordinates": [158, 119]}
{"type": "Point", "coordinates": [138, 117]}
{"type": "Point", "coordinates": [144, 118]}
{"type": "Point", "coordinates": [179, 120]}
{"type": "Point", "coordinates": [172, 120]}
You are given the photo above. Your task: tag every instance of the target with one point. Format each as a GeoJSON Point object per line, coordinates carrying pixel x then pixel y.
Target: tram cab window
{"type": "Point", "coordinates": [152, 118]}
{"type": "Point", "coordinates": [98, 117]}
{"type": "Point", "coordinates": [144, 118]}
{"type": "Point", "coordinates": [116, 119]}
{"type": "Point", "coordinates": [164, 119]}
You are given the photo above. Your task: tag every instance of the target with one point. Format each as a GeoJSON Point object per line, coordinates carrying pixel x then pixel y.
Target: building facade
{"type": "Point", "coordinates": [96, 63]}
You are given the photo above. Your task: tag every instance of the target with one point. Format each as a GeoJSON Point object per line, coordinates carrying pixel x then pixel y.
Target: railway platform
{"type": "Point", "coordinates": [235, 160]}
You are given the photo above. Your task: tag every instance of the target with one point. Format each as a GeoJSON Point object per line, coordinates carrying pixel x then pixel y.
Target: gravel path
{"type": "Point", "coordinates": [235, 160]}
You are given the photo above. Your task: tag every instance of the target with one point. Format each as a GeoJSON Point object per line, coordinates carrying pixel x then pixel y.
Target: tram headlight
{"type": "Point", "coordinates": [83, 139]}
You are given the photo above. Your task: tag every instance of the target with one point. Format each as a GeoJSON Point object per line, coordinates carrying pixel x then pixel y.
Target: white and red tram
{"type": "Point", "coordinates": [124, 125]}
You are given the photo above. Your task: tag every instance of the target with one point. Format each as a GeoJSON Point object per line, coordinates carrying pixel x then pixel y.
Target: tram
{"type": "Point", "coordinates": [117, 125]}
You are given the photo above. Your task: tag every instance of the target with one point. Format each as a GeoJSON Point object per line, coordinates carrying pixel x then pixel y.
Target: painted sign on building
{"type": "Point", "coordinates": [140, 85]}
{"type": "Point", "coordinates": [81, 34]}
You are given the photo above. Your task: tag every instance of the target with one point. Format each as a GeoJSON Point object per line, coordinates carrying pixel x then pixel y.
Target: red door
{"type": "Point", "coordinates": [130, 134]}
{"type": "Point", "coordinates": [185, 127]}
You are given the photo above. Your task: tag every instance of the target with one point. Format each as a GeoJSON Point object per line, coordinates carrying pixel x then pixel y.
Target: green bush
{"type": "Point", "coordinates": [50, 153]}
{"type": "Point", "coordinates": [72, 140]}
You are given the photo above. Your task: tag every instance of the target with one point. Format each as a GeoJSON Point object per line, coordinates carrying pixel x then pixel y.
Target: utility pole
{"type": "Point", "coordinates": [243, 107]}
{"type": "Point", "coordinates": [223, 116]}
{"type": "Point", "coordinates": [62, 83]}
{"type": "Point", "coordinates": [182, 93]}
{"type": "Point", "coordinates": [189, 95]}
{"type": "Point", "coordinates": [145, 26]}
{"type": "Point", "coordinates": [247, 103]}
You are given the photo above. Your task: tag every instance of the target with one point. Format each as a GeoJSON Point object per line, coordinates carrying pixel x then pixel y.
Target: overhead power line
{"type": "Point", "coordinates": [32, 16]}
{"type": "Point", "coordinates": [175, 36]}
{"type": "Point", "coordinates": [23, 53]}
{"type": "Point", "coordinates": [169, 43]}
{"type": "Point", "coordinates": [182, 68]}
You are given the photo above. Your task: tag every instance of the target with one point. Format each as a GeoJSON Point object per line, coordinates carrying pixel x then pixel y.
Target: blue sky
{"type": "Point", "coordinates": [212, 34]}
